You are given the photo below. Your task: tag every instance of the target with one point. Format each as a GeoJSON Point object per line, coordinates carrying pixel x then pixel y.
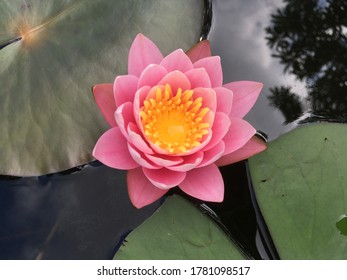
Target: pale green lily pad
{"type": "Point", "coordinates": [49, 120]}
{"type": "Point", "coordinates": [301, 186]}
{"type": "Point", "coordinates": [178, 231]}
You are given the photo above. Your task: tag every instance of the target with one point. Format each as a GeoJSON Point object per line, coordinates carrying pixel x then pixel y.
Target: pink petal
{"type": "Point", "coordinates": [124, 88]}
{"type": "Point", "coordinates": [238, 135]}
{"type": "Point", "coordinates": [245, 96]}
{"type": "Point", "coordinates": [164, 178]}
{"type": "Point", "coordinates": [219, 130]}
{"type": "Point", "coordinates": [224, 100]}
{"type": "Point", "coordinates": [205, 183]}
{"type": "Point", "coordinates": [190, 162]}
{"type": "Point", "coordinates": [199, 51]}
{"type": "Point", "coordinates": [198, 77]}
{"type": "Point", "coordinates": [111, 149]}
{"type": "Point", "coordinates": [142, 53]}
{"type": "Point", "coordinates": [209, 98]}
{"type": "Point", "coordinates": [152, 75]}
{"type": "Point", "coordinates": [135, 138]}
{"type": "Point", "coordinates": [140, 158]}
{"type": "Point", "coordinates": [176, 80]}
{"type": "Point", "coordinates": [141, 191]}
{"type": "Point", "coordinates": [124, 115]}
{"type": "Point", "coordinates": [213, 67]}
{"type": "Point", "coordinates": [103, 94]}
{"type": "Point", "coordinates": [252, 147]}
{"type": "Point", "coordinates": [165, 161]}
{"type": "Point", "coordinates": [213, 154]}
{"type": "Point", "coordinates": [177, 60]}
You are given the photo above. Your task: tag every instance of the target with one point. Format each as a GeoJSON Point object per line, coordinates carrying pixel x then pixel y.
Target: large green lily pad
{"type": "Point", "coordinates": [301, 186]}
{"type": "Point", "coordinates": [48, 118]}
{"type": "Point", "coordinates": [178, 230]}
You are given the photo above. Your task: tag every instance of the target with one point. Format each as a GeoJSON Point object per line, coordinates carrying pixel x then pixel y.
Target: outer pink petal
{"type": "Point", "coordinates": [213, 67]}
{"type": "Point", "coordinates": [176, 80]}
{"type": "Point", "coordinates": [224, 100]}
{"type": "Point", "coordinates": [189, 162]}
{"type": "Point", "coordinates": [205, 183]}
{"type": "Point", "coordinates": [142, 53]}
{"type": "Point", "coordinates": [177, 60]}
{"type": "Point", "coordinates": [140, 158]}
{"type": "Point", "coordinates": [165, 161]}
{"type": "Point", "coordinates": [219, 130]}
{"type": "Point", "coordinates": [152, 75]}
{"type": "Point", "coordinates": [199, 51]}
{"type": "Point", "coordinates": [238, 135]}
{"type": "Point", "coordinates": [103, 94]}
{"type": "Point", "coordinates": [213, 154]}
{"type": "Point", "coordinates": [111, 149]}
{"type": "Point", "coordinates": [124, 88]}
{"type": "Point", "coordinates": [124, 115]}
{"type": "Point", "coordinates": [141, 191]}
{"type": "Point", "coordinates": [252, 147]}
{"type": "Point", "coordinates": [245, 96]}
{"type": "Point", "coordinates": [198, 77]}
{"type": "Point", "coordinates": [164, 178]}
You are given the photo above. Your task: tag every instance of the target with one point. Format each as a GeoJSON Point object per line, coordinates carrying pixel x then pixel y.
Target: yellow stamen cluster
{"type": "Point", "coordinates": [175, 123]}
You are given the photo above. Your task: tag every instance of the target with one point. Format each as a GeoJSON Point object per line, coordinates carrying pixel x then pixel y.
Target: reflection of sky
{"type": "Point", "coordinates": [322, 3]}
{"type": "Point", "coordinates": [238, 36]}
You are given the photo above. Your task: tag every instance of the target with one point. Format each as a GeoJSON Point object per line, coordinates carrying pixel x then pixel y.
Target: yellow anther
{"type": "Point", "coordinates": [203, 112]}
{"type": "Point", "coordinates": [187, 96]}
{"type": "Point", "coordinates": [204, 125]}
{"type": "Point", "coordinates": [174, 122]}
{"type": "Point", "coordinates": [158, 94]}
{"type": "Point", "coordinates": [147, 104]}
{"type": "Point", "coordinates": [197, 104]}
{"type": "Point", "coordinates": [196, 144]}
{"type": "Point", "coordinates": [143, 115]}
{"type": "Point", "coordinates": [182, 149]}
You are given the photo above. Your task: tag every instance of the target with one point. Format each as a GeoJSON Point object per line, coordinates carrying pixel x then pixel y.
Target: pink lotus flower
{"type": "Point", "coordinates": [173, 122]}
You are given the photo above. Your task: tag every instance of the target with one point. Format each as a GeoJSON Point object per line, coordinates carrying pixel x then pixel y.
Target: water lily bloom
{"type": "Point", "coordinates": [173, 122]}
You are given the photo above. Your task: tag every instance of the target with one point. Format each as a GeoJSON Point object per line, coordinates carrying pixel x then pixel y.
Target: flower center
{"type": "Point", "coordinates": [175, 123]}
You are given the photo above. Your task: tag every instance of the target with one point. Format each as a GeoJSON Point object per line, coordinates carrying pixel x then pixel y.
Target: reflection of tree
{"type": "Point", "coordinates": [310, 39]}
{"type": "Point", "coordinates": [289, 104]}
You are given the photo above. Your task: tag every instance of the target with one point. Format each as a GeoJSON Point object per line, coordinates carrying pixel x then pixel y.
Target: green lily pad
{"type": "Point", "coordinates": [301, 186]}
{"type": "Point", "coordinates": [178, 230]}
{"type": "Point", "coordinates": [49, 120]}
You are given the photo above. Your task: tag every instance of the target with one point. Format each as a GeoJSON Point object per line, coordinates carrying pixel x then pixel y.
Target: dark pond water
{"type": "Point", "coordinates": [296, 48]}
{"type": "Point", "coordinates": [79, 214]}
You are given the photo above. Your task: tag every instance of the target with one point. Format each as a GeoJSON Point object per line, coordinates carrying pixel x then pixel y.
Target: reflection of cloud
{"type": "Point", "coordinates": [238, 36]}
